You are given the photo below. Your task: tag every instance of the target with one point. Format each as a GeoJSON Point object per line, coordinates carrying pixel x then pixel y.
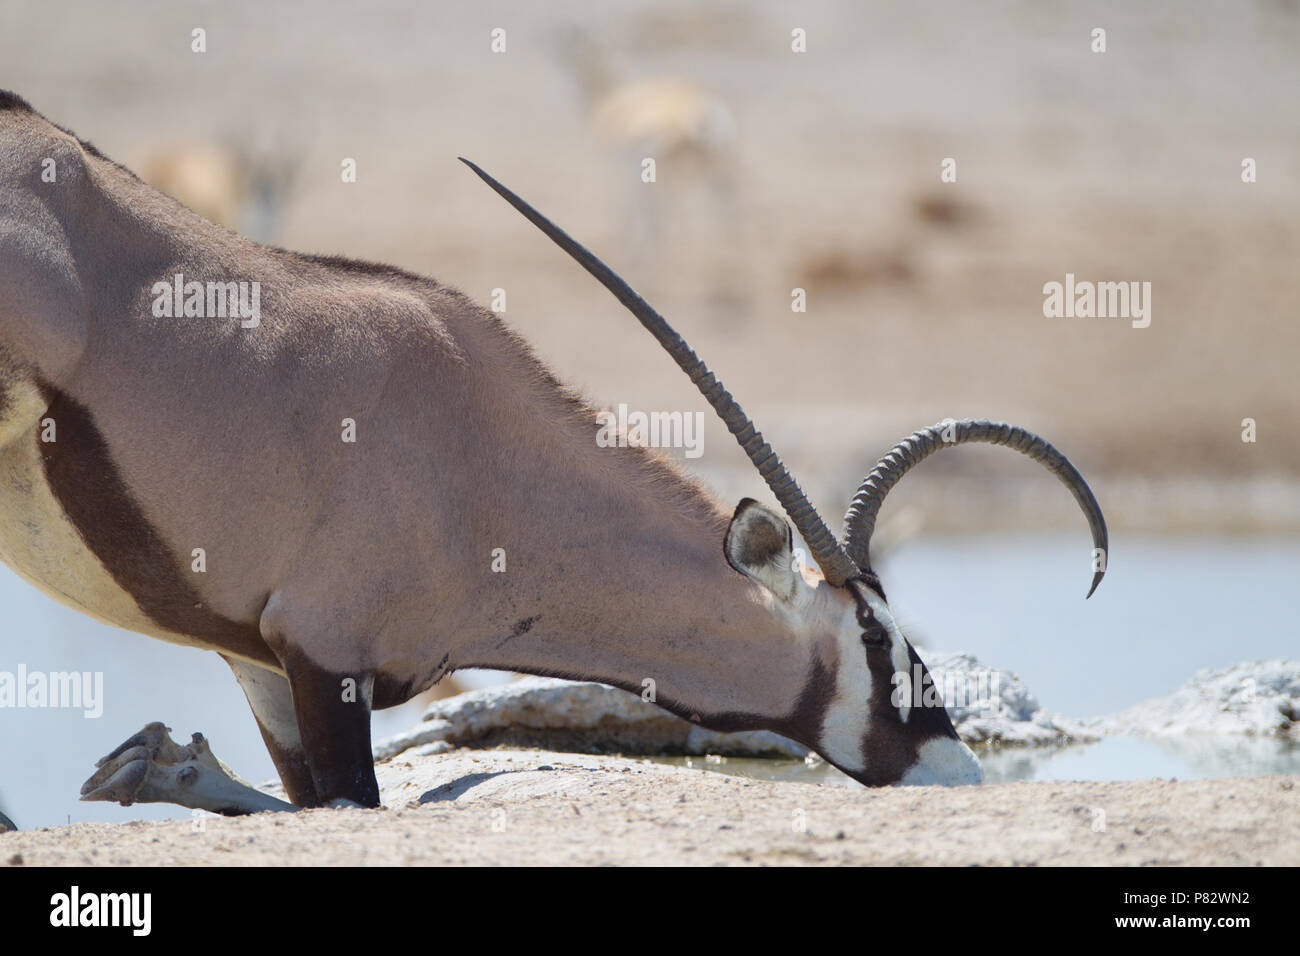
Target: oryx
{"type": "Point", "coordinates": [322, 497]}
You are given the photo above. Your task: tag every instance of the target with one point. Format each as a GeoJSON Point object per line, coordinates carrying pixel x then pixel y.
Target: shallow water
{"type": "Point", "coordinates": [1114, 758]}
{"type": "Point", "coordinates": [1167, 609]}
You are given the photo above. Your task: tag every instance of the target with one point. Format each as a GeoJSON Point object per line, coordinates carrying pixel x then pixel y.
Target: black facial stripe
{"type": "Point", "coordinates": [867, 619]}
{"type": "Point", "coordinates": [869, 579]}
{"type": "Point", "coordinates": [931, 720]}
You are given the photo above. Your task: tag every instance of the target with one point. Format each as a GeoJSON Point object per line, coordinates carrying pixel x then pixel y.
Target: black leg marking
{"type": "Point", "coordinates": [294, 771]}
{"type": "Point", "coordinates": [335, 729]}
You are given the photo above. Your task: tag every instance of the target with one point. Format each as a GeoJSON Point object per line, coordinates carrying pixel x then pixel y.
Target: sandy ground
{"type": "Point", "coordinates": [543, 808]}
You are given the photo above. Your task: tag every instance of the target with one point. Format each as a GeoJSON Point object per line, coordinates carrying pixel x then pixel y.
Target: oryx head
{"type": "Point", "coordinates": [872, 712]}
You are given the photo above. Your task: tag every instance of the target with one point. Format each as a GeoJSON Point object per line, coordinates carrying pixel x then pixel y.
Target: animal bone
{"type": "Point", "coordinates": [150, 767]}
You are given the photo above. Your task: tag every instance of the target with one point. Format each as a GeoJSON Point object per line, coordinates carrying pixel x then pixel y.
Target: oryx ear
{"type": "Point", "coordinates": [758, 545]}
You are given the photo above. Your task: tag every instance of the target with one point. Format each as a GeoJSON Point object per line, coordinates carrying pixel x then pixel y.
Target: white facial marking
{"type": "Point", "coordinates": [845, 723]}
{"type": "Point", "coordinates": [897, 650]}
{"type": "Point", "coordinates": [846, 720]}
{"type": "Point", "coordinates": [943, 762]}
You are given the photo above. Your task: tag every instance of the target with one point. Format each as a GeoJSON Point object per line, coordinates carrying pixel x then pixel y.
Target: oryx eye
{"type": "Point", "coordinates": [874, 634]}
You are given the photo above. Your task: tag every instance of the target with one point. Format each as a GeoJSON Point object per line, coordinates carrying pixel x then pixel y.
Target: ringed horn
{"type": "Point", "coordinates": [839, 563]}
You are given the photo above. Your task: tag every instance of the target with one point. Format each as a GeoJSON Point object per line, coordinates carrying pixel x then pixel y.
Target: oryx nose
{"type": "Point", "coordinates": [943, 761]}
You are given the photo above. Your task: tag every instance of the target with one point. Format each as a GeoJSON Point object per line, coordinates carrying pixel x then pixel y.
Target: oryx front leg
{"type": "Point", "coordinates": [333, 713]}
{"type": "Point", "coordinates": [150, 767]}
{"type": "Point", "coordinates": [271, 699]}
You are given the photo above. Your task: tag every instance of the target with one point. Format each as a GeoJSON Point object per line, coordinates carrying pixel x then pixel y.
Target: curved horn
{"type": "Point", "coordinates": [830, 557]}
{"type": "Point", "coordinates": [860, 520]}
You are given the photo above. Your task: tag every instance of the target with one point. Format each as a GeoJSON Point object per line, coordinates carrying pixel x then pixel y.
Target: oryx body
{"type": "Point", "coordinates": [191, 478]}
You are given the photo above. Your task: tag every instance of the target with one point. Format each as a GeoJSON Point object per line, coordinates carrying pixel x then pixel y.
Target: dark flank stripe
{"type": "Point", "coordinates": [84, 479]}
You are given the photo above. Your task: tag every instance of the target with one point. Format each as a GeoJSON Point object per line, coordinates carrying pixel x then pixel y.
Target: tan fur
{"type": "Point", "coordinates": [374, 555]}
{"type": "Point", "coordinates": [332, 563]}
{"type": "Point", "coordinates": [38, 541]}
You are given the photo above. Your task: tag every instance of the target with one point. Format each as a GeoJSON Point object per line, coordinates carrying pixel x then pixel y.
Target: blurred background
{"type": "Point", "coordinates": [778, 170]}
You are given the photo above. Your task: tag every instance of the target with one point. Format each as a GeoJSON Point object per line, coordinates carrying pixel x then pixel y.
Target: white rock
{"type": "Point", "coordinates": [987, 706]}
{"type": "Point", "coordinates": [1258, 698]}
{"type": "Point", "coordinates": [993, 706]}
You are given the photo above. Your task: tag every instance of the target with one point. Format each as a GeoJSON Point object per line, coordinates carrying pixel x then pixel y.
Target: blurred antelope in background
{"type": "Point", "coordinates": [690, 133]}
{"type": "Point", "coordinates": [241, 188]}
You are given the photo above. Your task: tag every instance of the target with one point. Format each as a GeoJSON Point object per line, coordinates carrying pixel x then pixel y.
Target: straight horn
{"type": "Point", "coordinates": [827, 552]}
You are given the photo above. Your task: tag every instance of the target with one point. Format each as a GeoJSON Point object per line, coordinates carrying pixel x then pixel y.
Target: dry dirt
{"type": "Point", "coordinates": [544, 808]}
